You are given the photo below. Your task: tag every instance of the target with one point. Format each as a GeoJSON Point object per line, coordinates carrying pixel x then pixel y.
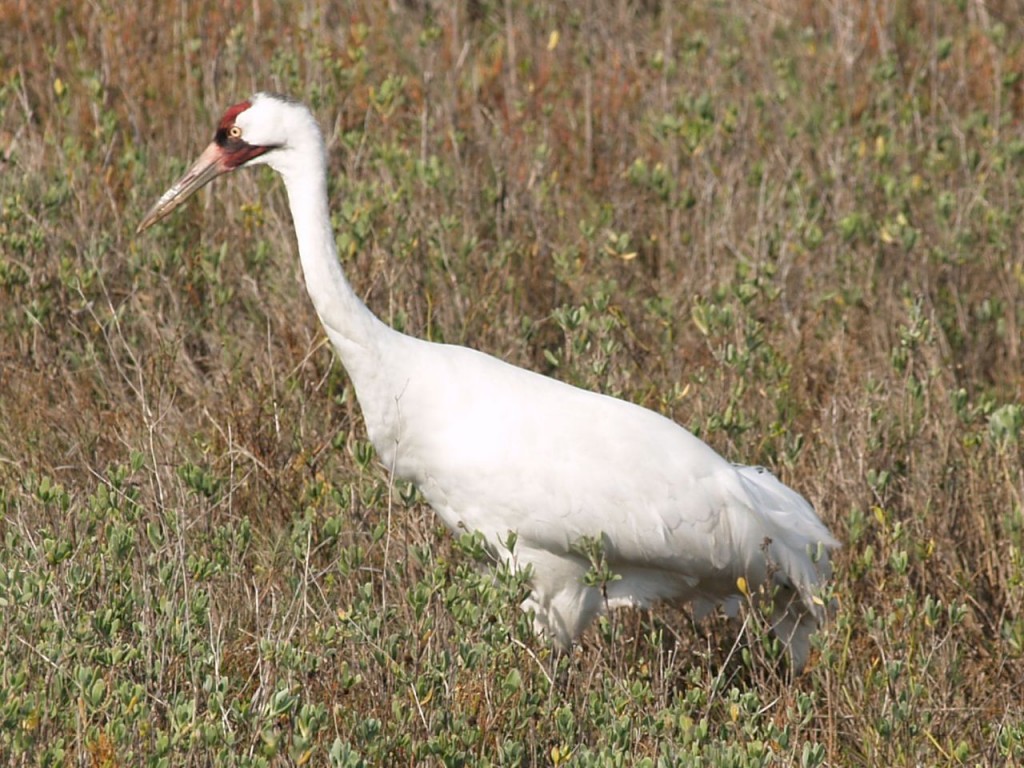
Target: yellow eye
{"type": "Point", "coordinates": [234, 132]}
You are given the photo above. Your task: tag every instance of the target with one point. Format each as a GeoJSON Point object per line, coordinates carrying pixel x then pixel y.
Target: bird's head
{"type": "Point", "coordinates": [263, 129]}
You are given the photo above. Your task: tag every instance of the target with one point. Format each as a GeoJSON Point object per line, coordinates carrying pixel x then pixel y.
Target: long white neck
{"type": "Point", "coordinates": [375, 356]}
{"type": "Point", "coordinates": [355, 332]}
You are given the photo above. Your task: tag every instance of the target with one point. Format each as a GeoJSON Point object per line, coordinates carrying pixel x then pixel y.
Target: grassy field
{"type": "Point", "coordinates": [793, 227]}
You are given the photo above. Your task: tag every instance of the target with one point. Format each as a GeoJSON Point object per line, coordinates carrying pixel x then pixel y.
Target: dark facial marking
{"type": "Point", "coordinates": [236, 150]}
{"type": "Point", "coordinates": [232, 112]}
{"type": "Point", "coordinates": [223, 139]}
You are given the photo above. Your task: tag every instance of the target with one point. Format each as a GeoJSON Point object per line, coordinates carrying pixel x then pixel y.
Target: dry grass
{"type": "Point", "coordinates": [794, 227]}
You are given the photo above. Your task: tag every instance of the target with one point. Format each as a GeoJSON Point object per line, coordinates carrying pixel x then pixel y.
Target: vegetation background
{"type": "Point", "coordinates": [794, 227]}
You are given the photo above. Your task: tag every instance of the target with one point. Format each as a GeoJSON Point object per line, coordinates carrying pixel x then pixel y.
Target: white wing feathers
{"type": "Point", "coordinates": [496, 448]}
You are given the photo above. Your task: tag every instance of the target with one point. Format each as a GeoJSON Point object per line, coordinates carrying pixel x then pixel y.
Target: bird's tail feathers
{"type": "Point", "coordinates": [798, 549]}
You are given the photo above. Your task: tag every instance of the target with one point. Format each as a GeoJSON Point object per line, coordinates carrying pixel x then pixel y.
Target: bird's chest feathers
{"type": "Point", "coordinates": [381, 384]}
{"type": "Point", "coordinates": [382, 413]}
{"type": "Point", "coordinates": [436, 432]}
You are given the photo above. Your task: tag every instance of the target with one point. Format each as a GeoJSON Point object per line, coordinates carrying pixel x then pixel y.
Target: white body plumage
{"type": "Point", "coordinates": [499, 449]}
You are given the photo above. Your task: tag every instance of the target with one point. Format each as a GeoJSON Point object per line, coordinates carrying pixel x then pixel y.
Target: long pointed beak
{"type": "Point", "coordinates": [209, 166]}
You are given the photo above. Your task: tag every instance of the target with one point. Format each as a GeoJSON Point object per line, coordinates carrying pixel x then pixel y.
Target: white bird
{"type": "Point", "coordinates": [499, 449]}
